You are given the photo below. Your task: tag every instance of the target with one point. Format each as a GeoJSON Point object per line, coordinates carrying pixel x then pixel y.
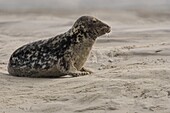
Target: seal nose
{"type": "Point", "coordinates": [108, 29]}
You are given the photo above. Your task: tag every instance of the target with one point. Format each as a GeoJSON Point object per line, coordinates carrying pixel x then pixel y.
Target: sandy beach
{"type": "Point", "coordinates": [131, 65]}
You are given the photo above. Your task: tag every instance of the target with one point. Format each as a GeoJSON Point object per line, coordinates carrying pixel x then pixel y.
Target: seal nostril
{"type": "Point", "coordinates": [108, 29]}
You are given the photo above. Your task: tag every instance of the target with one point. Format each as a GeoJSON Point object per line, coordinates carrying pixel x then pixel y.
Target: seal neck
{"type": "Point", "coordinates": [81, 32]}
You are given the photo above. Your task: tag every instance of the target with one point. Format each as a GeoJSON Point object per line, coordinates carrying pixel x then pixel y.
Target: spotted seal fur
{"type": "Point", "coordinates": [64, 54]}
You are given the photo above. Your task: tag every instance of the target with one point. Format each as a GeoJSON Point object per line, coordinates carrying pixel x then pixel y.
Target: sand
{"type": "Point", "coordinates": [131, 66]}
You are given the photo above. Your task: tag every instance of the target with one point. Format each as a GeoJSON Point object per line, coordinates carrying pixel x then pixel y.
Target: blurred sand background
{"type": "Point", "coordinates": [131, 64]}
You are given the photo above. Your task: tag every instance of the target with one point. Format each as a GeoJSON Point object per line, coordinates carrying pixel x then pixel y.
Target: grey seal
{"type": "Point", "coordinates": [64, 54]}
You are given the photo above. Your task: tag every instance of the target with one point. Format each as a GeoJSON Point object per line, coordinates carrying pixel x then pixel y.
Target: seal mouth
{"type": "Point", "coordinates": [106, 29]}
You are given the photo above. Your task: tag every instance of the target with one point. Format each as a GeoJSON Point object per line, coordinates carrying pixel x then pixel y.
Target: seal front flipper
{"type": "Point", "coordinates": [78, 73]}
{"type": "Point", "coordinates": [72, 70]}
{"type": "Point", "coordinates": [86, 70]}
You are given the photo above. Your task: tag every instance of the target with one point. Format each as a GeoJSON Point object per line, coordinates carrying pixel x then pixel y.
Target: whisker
{"type": "Point", "coordinates": [108, 35]}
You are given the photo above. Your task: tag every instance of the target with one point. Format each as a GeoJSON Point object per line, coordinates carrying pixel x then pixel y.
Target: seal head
{"type": "Point", "coordinates": [91, 26]}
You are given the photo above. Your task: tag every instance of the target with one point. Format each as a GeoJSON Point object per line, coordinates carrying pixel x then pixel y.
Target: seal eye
{"type": "Point", "coordinates": [94, 21]}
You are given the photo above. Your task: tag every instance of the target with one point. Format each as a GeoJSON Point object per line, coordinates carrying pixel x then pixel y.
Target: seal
{"type": "Point", "coordinates": [64, 54]}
